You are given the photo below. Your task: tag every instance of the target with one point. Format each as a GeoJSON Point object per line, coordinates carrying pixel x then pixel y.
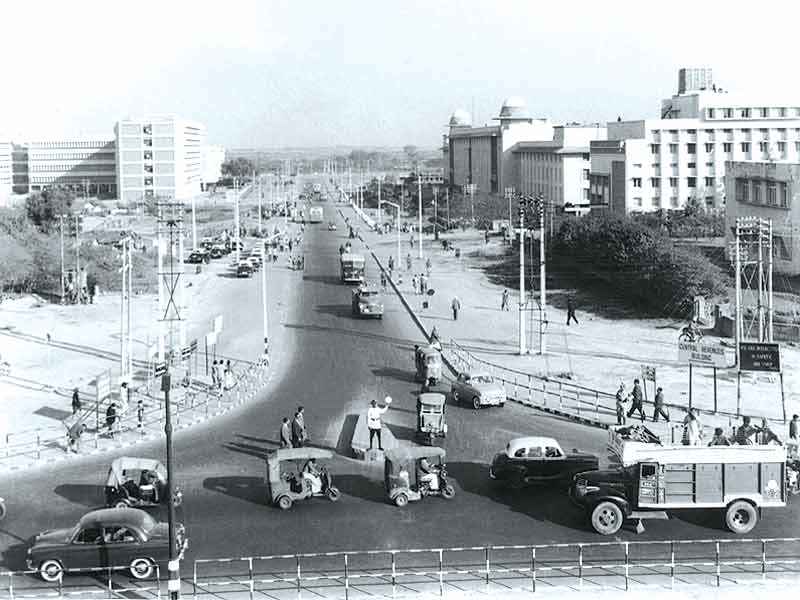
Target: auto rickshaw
{"type": "Point", "coordinates": [292, 474]}
{"type": "Point", "coordinates": [139, 483]}
{"type": "Point", "coordinates": [413, 472]}
{"type": "Point", "coordinates": [430, 417]}
{"type": "Point", "coordinates": [428, 365]}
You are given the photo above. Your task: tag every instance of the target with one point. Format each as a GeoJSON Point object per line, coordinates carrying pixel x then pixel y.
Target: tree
{"type": "Point", "coordinates": [238, 167]}
{"type": "Point", "coordinates": [44, 208]}
{"type": "Point", "coordinates": [410, 150]}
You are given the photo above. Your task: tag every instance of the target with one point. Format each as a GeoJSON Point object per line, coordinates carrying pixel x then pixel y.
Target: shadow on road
{"type": "Point", "coordinates": [251, 489]}
{"type": "Point", "coordinates": [337, 310]}
{"type": "Point", "coordinates": [344, 443]}
{"type": "Point", "coordinates": [393, 373]}
{"type": "Point", "coordinates": [401, 343]}
{"type": "Point", "coordinates": [332, 279]}
{"type": "Point", "coordinates": [82, 493]}
{"type": "Point", "coordinates": [360, 486]}
{"type": "Point", "coordinates": [252, 450]}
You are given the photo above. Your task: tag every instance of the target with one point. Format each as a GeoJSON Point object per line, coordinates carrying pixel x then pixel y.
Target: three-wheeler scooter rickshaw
{"type": "Point", "coordinates": [138, 483]}
{"type": "Point", "coordinates": [292, 475]}
{"type": "Point", "coordinates": [428, 365]}
{"type": "Point", "coordinates": [431, 417]}
{"type": "Point", "coordinates": [413, 472]}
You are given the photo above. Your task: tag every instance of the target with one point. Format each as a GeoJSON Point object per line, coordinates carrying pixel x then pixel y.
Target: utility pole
{"type": "Point", "coordinates": [419, 195]}
{"type": "Point", "coordinates": [78, 279]}
{"type": "Point", "coordinates": [264, 300]}
{"type": "Point", "coordinates": [542, 279]}
{"type": "Point", "coordinates": [509, 195]}
{"type": "Point", "coordinates": [522, 346]}
{"type": "Point", "coordinates": [259, 203]}
{"type": "Point", "coordinates": [236, 217]}
{"type": "Point", "coordinates": [447, 196]}
{"type": "Point", "coordinates": [61, 229]}
{"type": "Point", "coordinates": [472, 202]}
{"type": "Point", "coordinates": [173, 566]}
{"type": "Point", "coordinates": [435, 213]}
{"type": "Point", "coordinates": [380, 219]}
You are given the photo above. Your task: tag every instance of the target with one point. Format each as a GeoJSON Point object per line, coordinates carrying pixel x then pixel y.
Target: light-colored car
{"type": "Point", "coordinates": [478, 389]}
{"type": "Point", "coordinates": [367, 302]}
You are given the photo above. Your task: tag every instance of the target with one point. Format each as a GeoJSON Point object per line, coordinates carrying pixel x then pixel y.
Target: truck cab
{"type": "Point", "coordinates": [653, 480]}
{"type": "Point", "coordinates": [352, 268]}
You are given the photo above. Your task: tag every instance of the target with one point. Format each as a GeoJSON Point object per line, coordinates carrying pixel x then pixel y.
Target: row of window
{"type": "Point", "coordinates": [66, 145]}
{"type": "Point", "coordinates": [551, 156]}
{"type": "Point", "coordinates": [673, 201]}
{"type": "Point", "coordinates": [147, 129]}
{"type": "Point", "coordinates": [711, 134]}
{"type": "Point", "coordinates": [762, 191]}
{"type": "Point", "coordinates": [98, 155]}
{"type": "Point", "coordinates": [763, 112]}
{"type": "Point", "coordinates": [655, 182]}
{"type": "Point", "coordinates": [726, 147]}
{"type": "Point", "coordinates": [63, 168]}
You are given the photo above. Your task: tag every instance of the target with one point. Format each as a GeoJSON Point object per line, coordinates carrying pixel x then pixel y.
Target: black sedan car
{"type": "Point", "coordinates": [536, 460]}
{"type": "Point", "coordinates": [109, 537]}
{"type": "Point", "coordinates": [198, 256]}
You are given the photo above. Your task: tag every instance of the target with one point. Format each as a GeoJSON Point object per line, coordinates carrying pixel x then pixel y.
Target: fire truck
{"type": "Point", "coordinates": [652, 480]}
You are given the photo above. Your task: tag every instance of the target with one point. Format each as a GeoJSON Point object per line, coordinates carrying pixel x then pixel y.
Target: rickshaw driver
{"type": "Point", "coordinates": [312, 475]}
{"type": "Point", "coordinates": [147, 486]}
{"type": "Point", "coordinates": [429, 477]}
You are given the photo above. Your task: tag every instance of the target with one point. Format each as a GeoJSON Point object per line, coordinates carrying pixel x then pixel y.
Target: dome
{"type": "Point", "coordinates": [514, 107]}
{"type": "Point", "coordinates": [460, 118]}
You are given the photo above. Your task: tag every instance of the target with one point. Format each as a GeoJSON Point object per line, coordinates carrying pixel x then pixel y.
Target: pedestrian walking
{"type": "Point", "coordinates": [291, 244]}
{"type": "Point", "coordinates": [423, 284]}
{"type": "Point", "coordinates": [504, 301]}
{"type": "Point", "coordinates": [383, 281]}
{"type": "Point", "coordinates": [411, 241]}
{"type": "Point", "coordinates": [456, 306]}
{"type": "Point", "coordinates": [794, 425]}
{"type": "Point", "coordinates": [571, 312]}
{"type": "Point", "coordinates": [76, 401]}
{"type": "Point", "coordinates": [111, 419]}
{"type": "Point", "coordinates": [486, 237]}
{"type": "Point", "coordinates": [391, 263]}
{"type": "Point", "coordinates": [408, 262]}
{"type": "Point", "coordinates": [428, 266]}
{"type": "Point", "coordinates": [659, 406]}
{"type": "Point", "coordinates": [374, 423]}
{"type": "Point", "coordinates": [637, 400]}
{"type": "Point", "coordinates": [74, 434]}
{"type": "Point", "coordinates": [228, 377]}
{"type": "Point", "coordinates": [414, 284]}
{"type": "Point", "coordinates": [299, 434]}
{"type": "Point", "coordinates": [692, 430]}
{"type": "Point", "coordinates": [621, 398]}
{"type": "Point", "coordinates": [214, 375]}
{"type": "Point", "coordinates": [286, 433]}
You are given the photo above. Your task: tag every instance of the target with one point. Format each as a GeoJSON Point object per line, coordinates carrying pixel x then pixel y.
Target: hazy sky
{"type": "Point", "coordinates": [301, 73]}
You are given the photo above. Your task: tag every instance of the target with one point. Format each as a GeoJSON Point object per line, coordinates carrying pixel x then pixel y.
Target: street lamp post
{"type": "Point", "coordinates": [380, 216]}
{"type": "Point", "coordinates": [419, 195]}
{"type": "Point", "coordinates": [542, 280]}
{"type": "Point", "coordinates": [509, 195]}
{"type": "Point", "coordinates": [397, 227]}
{"type": "Point", "coordinates": [522, 346]}
{"type": "Point", "coordinates": [264, 299]}
{"type": "Point", "coordinates": [435, 213]}
{"type": "Point", "coordinates": [174, 583]}
{"type": "Point", "coordinates": [236, 217]}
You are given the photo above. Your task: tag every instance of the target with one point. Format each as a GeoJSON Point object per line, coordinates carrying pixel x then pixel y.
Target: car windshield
{"type": "Point", "coordinates": [369, 293]}
{"type": "Point", "coordinates": [482, 379]}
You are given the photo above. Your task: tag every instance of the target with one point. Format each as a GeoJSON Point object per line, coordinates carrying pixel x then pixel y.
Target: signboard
{"type": "Point", "coordinates": [159, 369]}
{"type": "Point", "coordinates": [708, 355]}
{"type": "Point", "coordinates": [759, 356]}
{"type": "Point", "coordinates": [103, 384]}
{"type": "Point", "coordinates": [218, 324]}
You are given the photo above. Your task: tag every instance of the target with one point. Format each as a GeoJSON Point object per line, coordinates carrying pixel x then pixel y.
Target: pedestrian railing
{"type": "Point", "coordinates": [587, 566]}
{"type": "Point", "coordinates": [189, 405]}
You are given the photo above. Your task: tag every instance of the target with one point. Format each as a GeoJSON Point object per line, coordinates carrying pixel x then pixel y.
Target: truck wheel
{"type": "Point", "coordinates": [741, 517]}
{"type": "Point", "coordinates": [607, 518]}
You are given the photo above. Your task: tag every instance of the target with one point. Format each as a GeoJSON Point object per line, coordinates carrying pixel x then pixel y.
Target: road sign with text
{"type": "Point", "coordinates": [759, 356]}
{"type": "Point", "coordinates": [708, 355]}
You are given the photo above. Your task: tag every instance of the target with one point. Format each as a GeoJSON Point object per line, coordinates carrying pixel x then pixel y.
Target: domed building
{"type": "Point", "coordinates": [482, 155]}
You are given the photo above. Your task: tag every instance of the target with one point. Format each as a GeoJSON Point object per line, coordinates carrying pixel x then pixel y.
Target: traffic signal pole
{"type": "Point", "coordinates": [174, 583]}
{"type": "Point", "coordinates": [542, 281]}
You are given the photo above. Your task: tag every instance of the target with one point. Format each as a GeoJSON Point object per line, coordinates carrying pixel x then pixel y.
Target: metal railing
{"type": "Point", "coordinates": [588, 566]}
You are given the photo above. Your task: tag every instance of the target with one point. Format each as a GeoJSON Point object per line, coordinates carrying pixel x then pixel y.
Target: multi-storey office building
{"type": "Point", "coordinates": [159, 157]}
{"type": "Point", "coordinates": [85, 165]}
{"type": "Point", "coordinates": [770, 190]}
{"type": "Point", "coordinates": [5, 172]}
{"type": "Point", "coordinates": [558, 169]}
{"type": "Point", "coordinates": [482, 156]}
{"type": "Point", "coordinates": [662, 163]}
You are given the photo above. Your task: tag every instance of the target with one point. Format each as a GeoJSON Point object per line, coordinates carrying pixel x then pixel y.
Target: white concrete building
{"type": "Point", "coordinates": [661, 163]}
{"type": "Point", "coordinates": [483, 155]}
{"type": "Point", "coordinates": [159, 157]}
{"type": "Point", "coordinates": [558, 169]}
{"type": "Point", "coordinates": [5, 172]}
{"type": "Point", "coordinates": [85, 165]}
{"type": "Point", "coordinates": [213, 157]}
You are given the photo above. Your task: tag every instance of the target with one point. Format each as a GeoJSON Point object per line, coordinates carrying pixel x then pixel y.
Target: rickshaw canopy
{"type": "Point", "coordinates": [401, 454]}
{"type": "Point", "coordinates": [121, 467]}
{"type": "Point", "coordinates": [432, 399]}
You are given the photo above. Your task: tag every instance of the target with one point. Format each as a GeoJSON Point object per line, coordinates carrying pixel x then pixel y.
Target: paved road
{"type": "Point", "coordinates": [339, 364]}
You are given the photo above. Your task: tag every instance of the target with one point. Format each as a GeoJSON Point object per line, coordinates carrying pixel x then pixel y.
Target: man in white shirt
{"type": "Point", "coordinates": [374, 420]}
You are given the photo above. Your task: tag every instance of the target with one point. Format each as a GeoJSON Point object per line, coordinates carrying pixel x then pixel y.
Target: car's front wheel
{"type": "Point", "coordinates": [476, 402]}
{"type": "Point", "coordinates": [51, 570]}
{"type": "Point", "coordinates": [141, 568]}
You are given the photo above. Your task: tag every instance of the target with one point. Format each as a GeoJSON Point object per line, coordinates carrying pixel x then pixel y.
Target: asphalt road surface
{"type": "Point", "coordinates": [339, 364]}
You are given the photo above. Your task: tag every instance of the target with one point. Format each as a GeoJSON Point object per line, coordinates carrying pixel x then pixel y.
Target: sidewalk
{"type": "Point", "coordinates": [597, 354]}
{"type": "Point", "coordinates": [84, 342]}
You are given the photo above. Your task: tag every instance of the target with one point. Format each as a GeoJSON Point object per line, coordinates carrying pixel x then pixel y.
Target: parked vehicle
{"type": "Point", "coordinates": [292, 475]}
{"type": "Point", "coordinates": [198, 256]}
{"type": "Point", "coordinates": [538, 460]}
{"type": "Point", "coordinates": [479, 389]}
{"type": "Point", "coordinates": [138, 482]}
{"type": "Point", "coordinates": [654, 480]}
{"type": "Point", "coordinates": [414, 472]}
{"type": "Point", "coordinates": [366, 302]}
{"type": "Point", "coordinates": [352, 268]}
{"type": "Point", "coordinates": [331, 226]}
{"type": "Point", "coordinates": [109, 537]}
{"type": "Point", "coordinates": [244, 269]}
{"type": "Point", "coordinates": [217, 251]}
{"type": "Point", "coordinates": [428, 365]}
{"type": "Point", "coordinates": [315, 214]}
{"type": "Point", "coordinates": [431, 422]}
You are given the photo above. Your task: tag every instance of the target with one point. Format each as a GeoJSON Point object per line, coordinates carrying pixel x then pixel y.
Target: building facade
{"type": "Point", "coordinates": [213, 157]}
{"type": "Point", "coordinates": [558, 169]}
{"type": "Point", "coordinates": [483, 156]}
{"type": "Point", "coordinates": [84, 165]}
{"type": "Point", "coordinates": [769, 190]}
{"type": "Point", "coordinates": [159, 157]}
{"type": "Point", "coordinates": [681, 156]}
{"type": "Point", "coordinates": [5, 172]}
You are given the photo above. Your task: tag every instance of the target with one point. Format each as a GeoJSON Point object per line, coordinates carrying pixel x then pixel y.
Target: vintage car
{"type": "Point", "coordinates": [217, 251]}
{"type": "Point", "coordinates": [244, 269]}
{"type": "Point", "coordinates": [109, 537]}
{"type": "Point", "coordinates": [138, 482]}
{"type": "Point", "coordinates": [535, 460]}
{"type": "Point", "coordinates": [478, 389]}
{"type": "Point", "coordinates": [367, 302]}
{"type": "Point", "coordinates": [198, 256]}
